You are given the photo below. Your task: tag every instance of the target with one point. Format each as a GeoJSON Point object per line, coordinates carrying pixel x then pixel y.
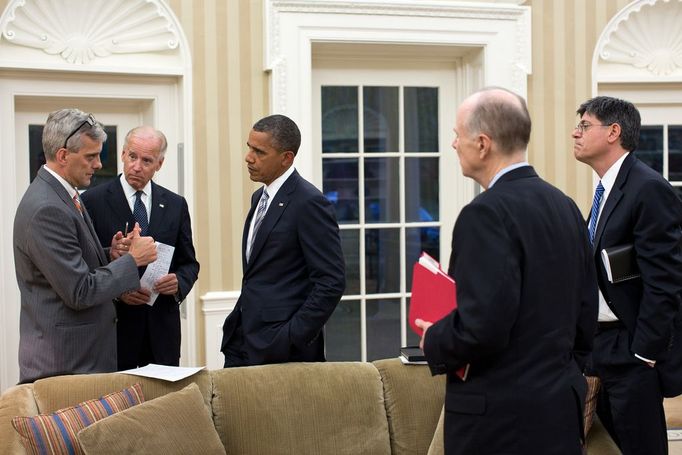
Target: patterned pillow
{"type": "Point", "coordinates": [55, 434]}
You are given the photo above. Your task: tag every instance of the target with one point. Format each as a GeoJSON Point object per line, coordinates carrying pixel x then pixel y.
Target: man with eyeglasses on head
{"type": "Point", "coordinates": [638, 347]}
{"type": "Point", "coordinates": [147, 333]}
{"type": "Point", "coordinates": [66, 279]}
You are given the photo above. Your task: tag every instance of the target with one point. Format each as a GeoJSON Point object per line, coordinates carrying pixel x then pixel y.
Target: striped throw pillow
{"type": "Point", "coordinates": [56, 433]}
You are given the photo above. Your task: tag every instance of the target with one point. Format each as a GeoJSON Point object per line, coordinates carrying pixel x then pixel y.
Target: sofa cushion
{"type": "Point", "coordinates": [62, 391]}
{"type": "Point", "coordinates": [176, 423]}
{"type": "Point", "coordinates": [56, 433]}
{"type": "Point", "coordinates": [414, 400]}
{"type": "Point", "coordinates": [15, 401]}
{"type": "Point", "coordinates": [331, 407]}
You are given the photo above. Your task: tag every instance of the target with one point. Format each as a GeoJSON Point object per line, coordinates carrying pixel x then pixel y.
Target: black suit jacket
{"type": "Point", "coordinates": [642, 209]}
{"type": "Point", "coordinates": [525, 322]}
{"type": "Point", "coordinates": [294, 279]}
{"type": "Point", "coordinates": [169, 223]}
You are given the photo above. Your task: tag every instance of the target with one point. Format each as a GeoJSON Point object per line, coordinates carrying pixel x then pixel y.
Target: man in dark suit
{"type": "Point", "coordinates": [527, 301]}
{"type": "Point", "coordinates": [67, 321]}
{"type": "Point", "coordinates": [294, 272]}
{"type": "Point", "coordinates": [147, 334]}
{"type": "Point", "coordinates": [638, 350]}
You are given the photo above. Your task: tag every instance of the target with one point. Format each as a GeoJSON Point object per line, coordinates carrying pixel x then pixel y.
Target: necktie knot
{"type": "Point", "coordinates": [594, 213]}
{"type": "Point", "coordinates": [77, 203]}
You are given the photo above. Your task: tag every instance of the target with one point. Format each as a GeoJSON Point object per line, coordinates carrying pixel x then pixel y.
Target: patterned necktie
{"type": "Point", "coordinates": [594, 213]}
{"type": "Point", "coordinates": [260, 214]}
{"type": "Point", "coordinates": [140, 213]}
{"type": "Point", "coordinates": [77, 202]}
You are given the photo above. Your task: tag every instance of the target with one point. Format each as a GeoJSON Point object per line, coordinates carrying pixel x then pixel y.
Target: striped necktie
{"type": "Point", "coordinates": [260, 214]}
{"type": "Point", "coordinates": [594, 213]}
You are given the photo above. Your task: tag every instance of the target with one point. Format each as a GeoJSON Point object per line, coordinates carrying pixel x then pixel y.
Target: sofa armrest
{"type": "Point", "coordinates": [15, 401]}
{"type": "Point", "coordinates": [599, 442]}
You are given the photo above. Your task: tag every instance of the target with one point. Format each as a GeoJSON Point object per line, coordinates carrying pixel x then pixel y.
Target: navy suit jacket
{"type": "Point", "coordinates": [294, 279]}
{"type": "Point", "coordinates": [525, 321]}
{"type": "Point", "coordinates": [642, 209]}
{"type": "Point", "coordinates": [169, 223]}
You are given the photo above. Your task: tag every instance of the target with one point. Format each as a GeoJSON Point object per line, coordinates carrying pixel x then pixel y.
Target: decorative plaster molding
{"type": "Point", "coordinates": [399, 8]}
{"type": "Point", "coordinates": [90, 30]}
{"type": "Point", "coordinates": [646, 34]}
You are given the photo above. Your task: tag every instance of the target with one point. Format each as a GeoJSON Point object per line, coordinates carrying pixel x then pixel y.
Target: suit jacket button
{"type": "Point", "coordinates": [115, 320]}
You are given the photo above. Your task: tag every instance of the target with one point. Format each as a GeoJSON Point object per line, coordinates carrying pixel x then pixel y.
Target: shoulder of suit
{"type": "Point", "coordinates": [165, 192]}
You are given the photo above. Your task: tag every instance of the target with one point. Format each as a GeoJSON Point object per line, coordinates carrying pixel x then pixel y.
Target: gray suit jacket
{"type": "Point", "coordinates": [67, 321]}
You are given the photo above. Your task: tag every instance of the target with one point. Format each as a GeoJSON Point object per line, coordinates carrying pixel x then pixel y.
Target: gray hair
{"type": "Point", "coordinates": [504, 119]}
{"type": "Point", "coordinates": [143, 130]}
{"type": "Point", "coordinates": [60, 124]}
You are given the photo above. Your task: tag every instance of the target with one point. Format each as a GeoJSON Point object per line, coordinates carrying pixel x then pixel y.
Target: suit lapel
{"type": "Point", "coordinates": [84, 217]}
{"type": "Point", "coordinates": [615, 195]}
{"type": "Point", "coordinates": [255, 197]}
{"type": "Point", "coordinates": [272, 216]}
{"type": "Point", "coordinates": [118, 203]}
{"type": "Point", "coordinates": [158, 208]}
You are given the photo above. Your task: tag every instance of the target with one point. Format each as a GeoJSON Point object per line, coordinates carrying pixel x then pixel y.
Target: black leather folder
{"type": "Point", "coordinates": [620, 263]}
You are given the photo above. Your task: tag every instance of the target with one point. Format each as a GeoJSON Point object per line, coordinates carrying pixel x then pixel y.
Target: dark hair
{"type": "Point", "coordinates": [505, 121]}
{"type": "Point", "coordinates": [610, 110]}
{"type": "Point", "coordinates": [284, 132]}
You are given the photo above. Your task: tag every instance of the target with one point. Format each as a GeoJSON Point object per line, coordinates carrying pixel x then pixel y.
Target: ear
{"type": "Point", "coordinates": [484, 145]}
{"type": "Point", "coordinates": [287, 158]}
{"type": "Point", "coordinates": [60, 156]}
{"type": "Point", "coordinates": [158, 167]}
{"type": "Point", "coordinates": [615, 132]}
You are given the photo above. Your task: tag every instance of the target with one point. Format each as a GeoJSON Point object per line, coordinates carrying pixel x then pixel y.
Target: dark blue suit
{"type": "Point", "coordinates": [642, 209]}
{"type": "Point", "coordinates": [526, 316]}
{"type": "Point", "coordinates": [292, 282]}
{"type": "Point", "coordinates": [148, 334]}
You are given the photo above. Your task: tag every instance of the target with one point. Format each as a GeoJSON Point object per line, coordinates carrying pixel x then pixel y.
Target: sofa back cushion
{"type": "Point", "coordinates": [63, 391]}
{"type": "Point", "coordinates": [301, 408]}
{"type": "Point", "coordinates": [414, 400]}
{"type": "Point", "coordinates": [15, 401]}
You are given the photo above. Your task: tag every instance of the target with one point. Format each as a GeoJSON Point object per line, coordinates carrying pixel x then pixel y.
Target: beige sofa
{"type": "Point", "coordinates": [375, 408]}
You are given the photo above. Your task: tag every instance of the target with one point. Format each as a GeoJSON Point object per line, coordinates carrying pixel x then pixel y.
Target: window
{"type": "Point", "coordinates": [660, 146]}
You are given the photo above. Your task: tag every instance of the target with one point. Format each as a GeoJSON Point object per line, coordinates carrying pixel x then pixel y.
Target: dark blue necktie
{"type": "Point", "coordinates": [594, 213]}
{"type": "Point", "coordinates": [140, 213]}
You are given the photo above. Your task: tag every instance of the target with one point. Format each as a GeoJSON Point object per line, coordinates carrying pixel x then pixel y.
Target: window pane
{"type": "Point", "coordinates": [340, 186]}
{"type": "Point", "coordinates": [382, 257]}
{"type": "Point", "coordinates": [380, 119]}
{"type": "Point", "coordinates": [350, 242]}
{"type": "Point", "coordinates": [421, 119]}
{"type": "Point", "coordinates": [675, 153]}
{"type": "Point", "coordinates": [678, 191]}
{"type": "Point", "coordinates": [382, 198]}
{"type": "Point", "coordinates": [383, 329]}
{"type": "Point", "coordinates": [342, 332]}
{"type": "Point", "coordinates": [650, 149]}
{"type": "Point", "coordinates": [421, 189]}
{"type": "Point", "coordinates": [417, 240]}
{"type": "Point", "coordinates": [108, 155]}
{"type": "Point", "coordinates": [339, 119]}
{"type": "Point", "coordinates": [412, 338]}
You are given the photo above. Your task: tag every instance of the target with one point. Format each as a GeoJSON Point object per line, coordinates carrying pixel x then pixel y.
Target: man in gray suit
{"type": "Point", "coordinates": [67, 284]}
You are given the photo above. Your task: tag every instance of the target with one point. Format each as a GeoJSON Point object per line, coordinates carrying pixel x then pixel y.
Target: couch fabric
{"type": "Point", "coordinates": [355, 408]}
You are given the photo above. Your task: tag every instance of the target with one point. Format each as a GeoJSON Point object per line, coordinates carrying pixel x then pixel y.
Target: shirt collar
{"type": "Point", "coordinates": [503, 171]}
{"type": "Point", "coordinates": [67, 186]}
{"type": "Point", "coordinates": [129, 191]}
{"type": "Point", "coordinates": [609, 178]}
{"type": "Point", "coordinates": [276, 184]}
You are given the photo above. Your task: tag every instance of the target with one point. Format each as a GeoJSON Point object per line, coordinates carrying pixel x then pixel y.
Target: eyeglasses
{"type": "Point", "coordinates": [583, 126]}
{"type": "Point", "coordinates": [88, 121]}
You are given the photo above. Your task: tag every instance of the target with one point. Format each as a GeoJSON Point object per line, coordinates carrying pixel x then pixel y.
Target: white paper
{"type": "Point", "coordinates": [607, 264]}
{"type": "Point", "coordinates": [157, 269]}
{"type": "Point", "coordinates": [164, 372]}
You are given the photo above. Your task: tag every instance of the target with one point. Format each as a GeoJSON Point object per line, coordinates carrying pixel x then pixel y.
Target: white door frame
{"type": "Point", "coordinates": [128, 66]}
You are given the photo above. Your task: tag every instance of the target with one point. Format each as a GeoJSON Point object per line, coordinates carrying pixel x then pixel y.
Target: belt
{"type": "Point", "coordinates": [608, 325]}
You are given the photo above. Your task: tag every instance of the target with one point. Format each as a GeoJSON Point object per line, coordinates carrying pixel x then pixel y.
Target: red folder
{"type": "Point", "coordinates": [434, 296]}
{"type": "Point", "coordinates": [433, 292]}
